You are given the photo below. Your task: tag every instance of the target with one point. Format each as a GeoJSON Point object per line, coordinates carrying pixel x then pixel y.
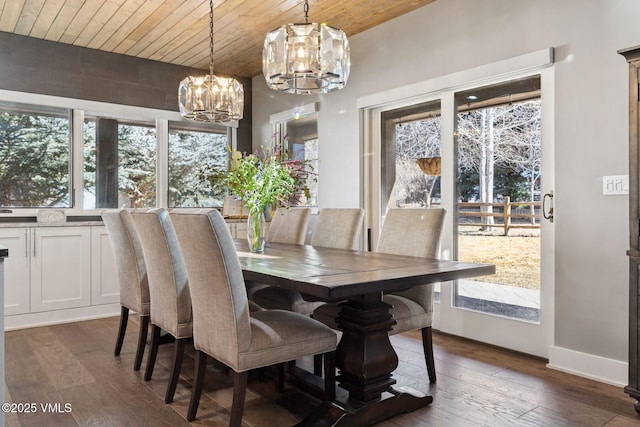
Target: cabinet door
{"type": "Point", "coordinates": [60, 268]}
{"type": "Point", "coordinates": [104, 276]}
{"type": "Point", "coordinates": [241, 230]}
{"type": "Point", "coordinates": [16, 270]}
{"type": "Point", "coordinates": [238, 230]}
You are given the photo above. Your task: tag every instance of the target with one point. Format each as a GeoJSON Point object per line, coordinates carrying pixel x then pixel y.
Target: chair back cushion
{"type": "Point", "coordinates": [338, 228]}
{"type": "Point", "coordinates": [413, 232]}
{"type": "Point", "coordinates": [289, 225]}
{"type": "Point", "coordinates": [129, 259]}
{"type": "Point", "coordinates": [220, 305]}
{"type": "Point", "coordinates": [168, 285]}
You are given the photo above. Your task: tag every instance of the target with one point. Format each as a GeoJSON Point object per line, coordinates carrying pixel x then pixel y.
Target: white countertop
{"type": "Point", "coordinates": [49, 224]}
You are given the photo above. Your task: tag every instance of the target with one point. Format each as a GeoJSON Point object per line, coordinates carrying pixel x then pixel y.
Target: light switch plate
{"type": "Point", "coordinates": [614, 185]}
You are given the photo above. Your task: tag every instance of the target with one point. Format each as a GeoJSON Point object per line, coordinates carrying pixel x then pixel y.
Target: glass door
{"type": "Point", "coordinates": [480, 153]}
{"type": "Point", "coordinates": [499, 158]}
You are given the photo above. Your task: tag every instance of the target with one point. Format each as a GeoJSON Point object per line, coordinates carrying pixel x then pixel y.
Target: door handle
{"type": "Point", "coordinates": [547, 214]}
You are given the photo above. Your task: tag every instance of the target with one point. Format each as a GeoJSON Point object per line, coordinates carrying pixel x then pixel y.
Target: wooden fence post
{"type": "Point", "coordinates": [506, 212]}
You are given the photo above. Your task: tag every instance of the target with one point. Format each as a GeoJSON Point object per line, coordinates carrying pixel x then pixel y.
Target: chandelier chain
{"type": "Point", "coordinates": [211, 38]}
{"type": "Point", "coordinates": [209, 98]}
{"type": "Point", "coordinates": [306, 11]}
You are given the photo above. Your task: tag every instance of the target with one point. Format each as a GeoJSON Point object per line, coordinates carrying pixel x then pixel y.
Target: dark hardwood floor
{"type": "Point", "coordinates": [477, 385]}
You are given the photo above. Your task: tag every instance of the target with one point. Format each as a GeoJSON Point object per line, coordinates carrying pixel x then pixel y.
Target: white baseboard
{"type": "Point", "coordinates": [31, 320]}
{"type": "Point", "coordinates": [586, 365]}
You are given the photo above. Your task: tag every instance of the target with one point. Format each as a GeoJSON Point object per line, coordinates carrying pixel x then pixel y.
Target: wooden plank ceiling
{"type": "Point", "coordinates": [177, 31]}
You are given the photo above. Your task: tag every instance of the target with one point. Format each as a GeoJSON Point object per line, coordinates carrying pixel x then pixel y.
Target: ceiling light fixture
{"type": "Point", "coordinates": [211, 98]}
{"type": "Point", "coordinates": [306, 58]}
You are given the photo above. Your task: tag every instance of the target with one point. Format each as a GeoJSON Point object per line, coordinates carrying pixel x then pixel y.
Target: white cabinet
{"type": "Point", "coordinates": [16, 270]}
{"type": "Point", "coordinates": [104, 276]}
{"type": "Point", "coordinates": [48, 268]}
{"type": "Point", "coordinates": [60, 268]}
{"type": "Point", "coordinates": [58, 273]}
{"type": "Point", "coordinates": [238, 229]}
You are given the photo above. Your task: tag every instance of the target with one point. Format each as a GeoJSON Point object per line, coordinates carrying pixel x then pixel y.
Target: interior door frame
{"type": "Point", "coordinates": [515, 334]}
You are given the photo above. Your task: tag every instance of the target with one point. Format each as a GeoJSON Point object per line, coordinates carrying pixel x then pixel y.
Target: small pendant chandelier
{"type": "Point", "coordinates": [306, 58]}
{"type": "Point", "coordinates": [211, 98]}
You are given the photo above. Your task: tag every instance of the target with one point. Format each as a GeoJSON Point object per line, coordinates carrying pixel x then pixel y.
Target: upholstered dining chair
{"type": "Point", "coordinates": [409, 232]}
{"type": "Point", "coordinates": [338, 228]}
{"type": "Point", "coordinates": [335, 228]}
{"type": "Point", "coordinates": [132, 277]}
{"type": "Point", "coordinates": [168, 289]}
{"type": "Point", "coordinates": [288, 225]}
{"type": "Point", "coordinates": [223, 326]}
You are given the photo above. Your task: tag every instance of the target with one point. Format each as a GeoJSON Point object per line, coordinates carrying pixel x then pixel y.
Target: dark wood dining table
{"type": "Point", "coordinates": [365, 357]}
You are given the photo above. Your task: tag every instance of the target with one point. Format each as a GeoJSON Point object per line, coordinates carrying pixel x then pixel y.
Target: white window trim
{"type": "Point", "coordinates": [485, 74]}
{"type": "Point", "coordinates": [79, 108]}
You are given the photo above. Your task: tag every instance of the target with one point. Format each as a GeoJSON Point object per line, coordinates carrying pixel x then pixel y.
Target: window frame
{"type": "Point", "coordinates": [22, 108]}
{"type": "Point", "coordinates": [280, 134]}
{"type": "Point", "coordinates": [78, 109]}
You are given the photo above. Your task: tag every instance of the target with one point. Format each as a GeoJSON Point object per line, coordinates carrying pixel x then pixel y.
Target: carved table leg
{"type": "Point", "coordinates": [365, 359]}
{"type": "Point", "coordinates": [365, 356]}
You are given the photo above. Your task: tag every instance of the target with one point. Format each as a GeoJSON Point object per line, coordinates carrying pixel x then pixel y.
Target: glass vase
{"type": "Point", "coordinates": [256, 228]}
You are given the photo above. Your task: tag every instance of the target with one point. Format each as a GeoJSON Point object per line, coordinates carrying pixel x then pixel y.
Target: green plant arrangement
{"type": "Point", "coordinates": [261, 183]}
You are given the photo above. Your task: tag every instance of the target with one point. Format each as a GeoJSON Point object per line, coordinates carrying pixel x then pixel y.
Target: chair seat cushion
{"type": "Point", "coordinates": [143, 309]}
{"type": "Point", "coordinates": [279, 335]}
{"type": "Point", "coordinates": [408, 314]}
{"type": "Point", "coordinates": [274, 298]}
{"type": "Point", "coordinates": [182, 330]}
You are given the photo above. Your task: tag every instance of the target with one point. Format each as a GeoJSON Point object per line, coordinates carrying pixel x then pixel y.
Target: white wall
{"type": "Point", "coordinates": [590, 134]}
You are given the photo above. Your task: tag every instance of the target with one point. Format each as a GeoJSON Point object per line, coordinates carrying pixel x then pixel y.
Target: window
{"type": "Point", "coordinates": [411, 156]}
{"type": "Point", "coordinates": [35, 150]}
{"type": "Point", "coordinates": [55, 153]}
{"type": "Point", "coordinates": [119, 164]}
{"type": "Point", "coordinates": [306, 151]}
{"type": "Point", "coordinates": [297, 136]}
{"type": "Point", "coordinates": [194, 153]}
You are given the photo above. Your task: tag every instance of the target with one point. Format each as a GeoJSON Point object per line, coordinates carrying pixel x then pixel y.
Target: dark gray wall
{"type": "Point", "coordinates": [38, 66]}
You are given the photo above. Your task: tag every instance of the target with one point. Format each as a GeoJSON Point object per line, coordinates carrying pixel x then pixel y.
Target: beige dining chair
{"type": "Point", "coordinates": [132, 277]}
{"type": "Point", "coordinates": [335, 228]}
{"type": "Point", "coordinates": [223, 326]}
{"type": "Point", "coordinates": [409, 232]}
{"type": "Point", "coordinates": [288, 225]}
{"type": "Point", "coordinates": [168, 289]}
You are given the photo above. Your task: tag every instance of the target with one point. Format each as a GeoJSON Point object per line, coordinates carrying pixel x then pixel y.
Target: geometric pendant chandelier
{"type": "Point", "coordinates": [211, 98]}
{"type": "Point", "coordinates": [306, 58]}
